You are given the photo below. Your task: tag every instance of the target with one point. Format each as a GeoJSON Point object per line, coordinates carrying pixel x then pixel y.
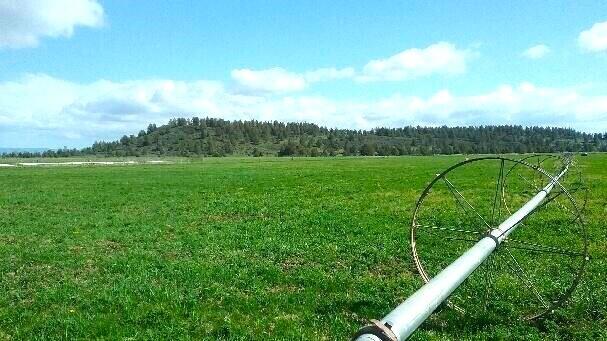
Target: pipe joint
{"type": "Point", "coordinates": [376, 331]}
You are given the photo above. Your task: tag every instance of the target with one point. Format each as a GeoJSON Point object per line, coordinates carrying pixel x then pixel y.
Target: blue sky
{"type": "Point", "coordinates": [76, 71]}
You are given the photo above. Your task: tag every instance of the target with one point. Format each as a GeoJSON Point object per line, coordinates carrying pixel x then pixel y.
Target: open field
{"type": "Point", "coordinates": [243, 249]}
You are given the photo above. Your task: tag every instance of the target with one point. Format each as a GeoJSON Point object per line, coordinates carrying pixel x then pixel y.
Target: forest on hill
{"type": "Point", "coordinates": [218, 137]}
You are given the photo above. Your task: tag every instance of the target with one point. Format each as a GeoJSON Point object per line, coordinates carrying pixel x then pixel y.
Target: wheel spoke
{"type": "Point", "coordinates": [531, 184]}
{"type": "Point", "coordinates": [524, 278]}
{"type": "Point", "coordinates": [539, 166]}
{"type": "Point", "coordinates": [549, 199]}
{"type": "Point", "coordinates": [499, 184]}
{"type": "Point", "coordinates": [454, 238]}
{"type": "Point", "coordinates": [489, 266]}
{"type": "Point", "coordinates": [535, 247]}
{"type": "Point", "coordinates": [452, 229]}
{"type": "Point", "coordinates": [457, 195]}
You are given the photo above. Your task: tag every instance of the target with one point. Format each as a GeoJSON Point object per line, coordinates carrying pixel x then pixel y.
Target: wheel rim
{"type": "Point", "coordinates": [460, 235]}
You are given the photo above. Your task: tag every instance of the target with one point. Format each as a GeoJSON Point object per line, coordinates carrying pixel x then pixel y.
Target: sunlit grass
{"type": "Point", "coordinates": [240, 249]}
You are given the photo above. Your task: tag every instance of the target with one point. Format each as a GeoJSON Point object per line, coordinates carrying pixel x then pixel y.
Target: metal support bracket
{"type": "Point", "coordinates": [376, 328]}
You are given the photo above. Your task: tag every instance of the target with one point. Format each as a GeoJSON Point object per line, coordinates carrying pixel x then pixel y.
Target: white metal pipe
{"type": "Point", "coordinates": [368, 337]}
{"type": "Point", "coordinates": [405, 319]}
{"type": "Point", "coordinates": [410, 314]}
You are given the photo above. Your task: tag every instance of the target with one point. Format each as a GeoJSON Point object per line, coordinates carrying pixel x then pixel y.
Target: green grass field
{"type": "Point", "coordinates": [243, 249]}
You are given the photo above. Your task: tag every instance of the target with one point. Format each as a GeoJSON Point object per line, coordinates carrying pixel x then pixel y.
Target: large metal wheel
{"type": "Point", "coordinates": [537, 268]}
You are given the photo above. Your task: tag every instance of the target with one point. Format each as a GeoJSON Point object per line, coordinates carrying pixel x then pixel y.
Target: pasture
{"type": "Point", "coordinates": [244, 249]}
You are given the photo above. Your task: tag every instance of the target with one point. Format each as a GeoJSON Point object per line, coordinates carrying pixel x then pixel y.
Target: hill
{"type": "Point", "coordinates": [218, 137]}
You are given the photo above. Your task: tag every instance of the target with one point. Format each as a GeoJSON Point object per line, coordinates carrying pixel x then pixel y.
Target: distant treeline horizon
{"type": "Point", "coordinates": [217, 137]}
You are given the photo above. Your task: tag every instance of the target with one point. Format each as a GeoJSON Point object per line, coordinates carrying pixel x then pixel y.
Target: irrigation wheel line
{"type": "Point", "coordinates": [470, 234]}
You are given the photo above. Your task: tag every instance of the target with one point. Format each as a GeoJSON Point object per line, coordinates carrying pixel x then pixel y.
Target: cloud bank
{"type": "Point", "coordinates": [82, 113]}
{"type": "Point", "coordinates": [24, 22]}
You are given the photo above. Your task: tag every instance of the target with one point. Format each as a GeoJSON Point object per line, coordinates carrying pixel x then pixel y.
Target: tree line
{"type": "Point", "coordinates": [217, 137]}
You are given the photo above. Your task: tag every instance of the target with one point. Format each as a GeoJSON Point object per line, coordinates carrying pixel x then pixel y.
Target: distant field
{"type": "Point", "coordinates": [243, 249]}
{"type": "Point", "coordinates": [93, 158]}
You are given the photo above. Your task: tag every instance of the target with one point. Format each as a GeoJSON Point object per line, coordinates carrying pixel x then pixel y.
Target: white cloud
{"type": "Point", "coordinates": [269, 80]}
{"type": "Point", "coordinates": [43, 108]}
{"type": "Point", "coordinates": [595, 38]}
{"type": "Point", "coordinates": [536, 52]}
{"type": "Point", "coordinates": [439, 58]}
{"type": "Point", "coordinates": [24, 22]}
{"type": "Point", "coordinates": [279, 80]}
{"type": "Point", "coordinates": [327, 74]}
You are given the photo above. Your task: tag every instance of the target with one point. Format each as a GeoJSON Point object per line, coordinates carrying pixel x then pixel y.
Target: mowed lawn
{"type": "Point", "coordinates": [241, 249]}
